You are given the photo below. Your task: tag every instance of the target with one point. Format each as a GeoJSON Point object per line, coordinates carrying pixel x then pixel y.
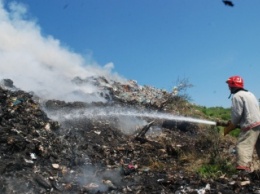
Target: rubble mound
{"type": "Point", "coordinates": [94, 155]}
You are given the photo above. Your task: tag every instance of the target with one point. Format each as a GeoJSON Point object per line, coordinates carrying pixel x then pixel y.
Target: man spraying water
{"type": "Point", "coordinates": [245, 113]}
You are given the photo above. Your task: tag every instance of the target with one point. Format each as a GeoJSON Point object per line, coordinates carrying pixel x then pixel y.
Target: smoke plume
{"type": "Point", "coordinates": [40, 63]}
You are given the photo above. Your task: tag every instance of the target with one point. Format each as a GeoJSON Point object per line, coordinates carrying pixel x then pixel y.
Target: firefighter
{"type": "Point", "coordinates": [245, 113]}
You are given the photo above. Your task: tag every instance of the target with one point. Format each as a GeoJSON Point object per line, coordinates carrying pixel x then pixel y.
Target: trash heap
{"type": "Point", "coordinates": [130, 92]}
{"type": "Point", "coordinates": [90, 155]}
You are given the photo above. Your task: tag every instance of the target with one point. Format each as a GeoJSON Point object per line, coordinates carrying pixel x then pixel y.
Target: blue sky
{"type": "Point", "coordinates": [157, 43]}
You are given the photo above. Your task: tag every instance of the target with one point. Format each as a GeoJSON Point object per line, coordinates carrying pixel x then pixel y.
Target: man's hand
{"type": "Point", "coordinates": [229, 128]}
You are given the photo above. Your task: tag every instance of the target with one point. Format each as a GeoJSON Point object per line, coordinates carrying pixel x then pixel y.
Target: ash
{"type": "Point", "coordinates": [43, 151]}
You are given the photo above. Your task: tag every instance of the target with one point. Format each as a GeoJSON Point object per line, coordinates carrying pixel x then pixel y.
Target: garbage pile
{"type": "Point", "coordinates": [91, 155]}
{"type": "Point", "coordinates": [130, 92]}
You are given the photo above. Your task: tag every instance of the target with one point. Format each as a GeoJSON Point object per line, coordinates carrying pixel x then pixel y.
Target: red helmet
{"type": "Point", "coordinates": [235, 81]}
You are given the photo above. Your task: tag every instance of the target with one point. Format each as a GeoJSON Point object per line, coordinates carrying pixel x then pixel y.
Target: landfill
{"type": "Point", "coordinates": [53, 146]}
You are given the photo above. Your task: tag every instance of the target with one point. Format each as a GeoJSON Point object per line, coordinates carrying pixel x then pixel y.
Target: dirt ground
{"type": "Point", "coordinates": [53, 147]}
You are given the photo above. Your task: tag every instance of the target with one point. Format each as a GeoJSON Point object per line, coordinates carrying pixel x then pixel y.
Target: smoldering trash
{"type": "Point", "coordinates": [52, 146]}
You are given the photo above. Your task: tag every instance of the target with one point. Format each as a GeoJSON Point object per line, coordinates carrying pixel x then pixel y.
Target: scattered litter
{"type": "Point", "coordinates": [91, 155]}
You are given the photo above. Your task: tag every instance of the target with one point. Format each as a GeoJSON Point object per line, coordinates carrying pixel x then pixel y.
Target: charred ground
{"type": "Point", "coordinates": [95, 155]}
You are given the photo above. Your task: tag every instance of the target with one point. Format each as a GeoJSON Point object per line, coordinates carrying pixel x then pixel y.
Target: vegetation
{"type": "Point", "coordinates": [217, 169]}
{"type": "Point", "coordinates": [217, 113]}
{"type": "Point", "coordinates": [212, 164]}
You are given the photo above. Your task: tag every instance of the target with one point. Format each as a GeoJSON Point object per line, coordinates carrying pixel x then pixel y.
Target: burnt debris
{"type": "Point", "coordinates": [94, 155]}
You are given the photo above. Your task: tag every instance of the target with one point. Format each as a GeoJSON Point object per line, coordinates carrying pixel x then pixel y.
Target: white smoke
{"type": "Point", "coordinates": [41, 63]}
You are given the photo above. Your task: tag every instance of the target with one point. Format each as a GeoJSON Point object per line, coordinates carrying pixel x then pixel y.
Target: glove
{"type": "Point", "coordinates": [229, 128]}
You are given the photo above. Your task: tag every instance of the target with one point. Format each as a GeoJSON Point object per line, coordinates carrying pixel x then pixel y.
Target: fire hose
{"type": "Point", "coordinates": [223, 123]}
{"type": "Point", "coordinates": [229, 126]}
